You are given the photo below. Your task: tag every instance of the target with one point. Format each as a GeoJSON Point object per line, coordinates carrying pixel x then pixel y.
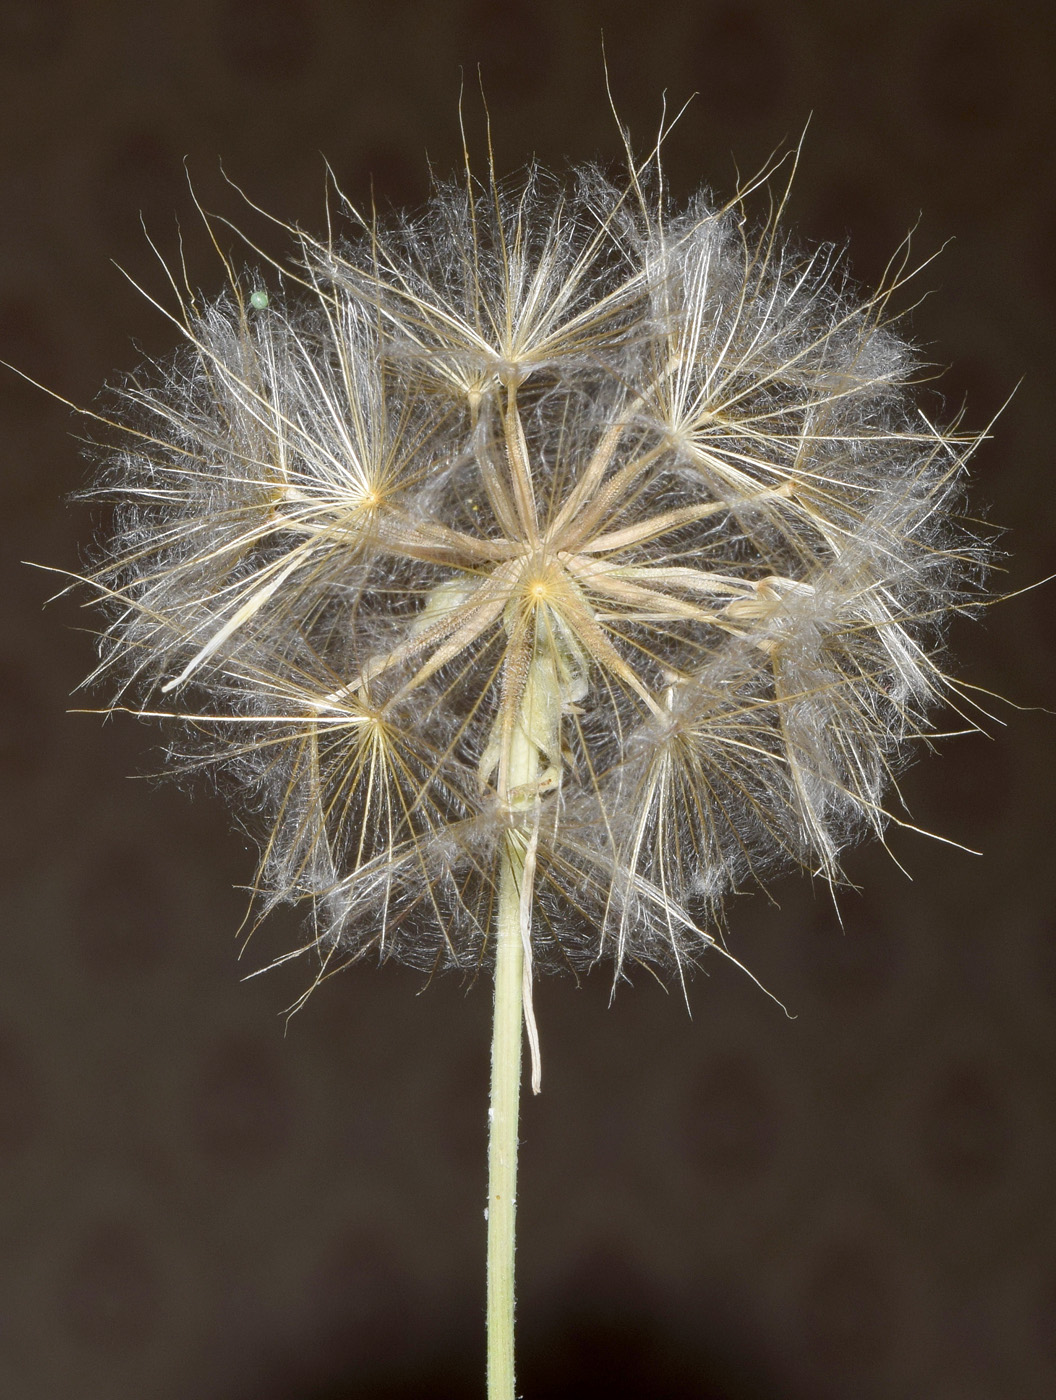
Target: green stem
{"type": "Point", "coordinates": [502, 1128]}
{"type": "Point", "coordinates": [513, 904]}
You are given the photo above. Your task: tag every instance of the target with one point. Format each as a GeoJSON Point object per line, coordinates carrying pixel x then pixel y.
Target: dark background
{"type": "Point", "coordinates": [856, 1203]}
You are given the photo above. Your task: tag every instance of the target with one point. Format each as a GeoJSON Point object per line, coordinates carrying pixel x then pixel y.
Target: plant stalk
{"type": "Point", "coordinates": [514, 909]}
{"type": "Point", "coordinates": [502, 1127]}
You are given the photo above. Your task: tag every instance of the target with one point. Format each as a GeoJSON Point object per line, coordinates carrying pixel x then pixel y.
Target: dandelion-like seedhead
{"type": "Point", "coordinates": [550, 520]}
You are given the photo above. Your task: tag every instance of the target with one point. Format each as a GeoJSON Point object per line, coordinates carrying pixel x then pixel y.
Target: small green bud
{"type": "Point", "coordinates": [258, 301]}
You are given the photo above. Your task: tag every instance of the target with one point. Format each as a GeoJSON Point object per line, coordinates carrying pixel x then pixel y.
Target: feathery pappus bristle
{"type": "Point", "coordinates": [550, 519]}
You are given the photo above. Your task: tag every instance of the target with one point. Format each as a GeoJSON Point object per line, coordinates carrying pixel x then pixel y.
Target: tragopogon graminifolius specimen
{"type": "Point", "coordinates": [544, 565]}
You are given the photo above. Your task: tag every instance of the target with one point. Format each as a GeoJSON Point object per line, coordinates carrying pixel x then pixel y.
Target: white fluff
{"type": "Point", "coordinates": [643, 483]}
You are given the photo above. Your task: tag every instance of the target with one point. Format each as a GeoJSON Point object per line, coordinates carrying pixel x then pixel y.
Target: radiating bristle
{"type": "Point", "coordinates": [570, 469]}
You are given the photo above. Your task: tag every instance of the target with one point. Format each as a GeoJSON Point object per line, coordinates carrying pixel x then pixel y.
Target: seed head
{"type": "Point", "coordinates": [544, 479]}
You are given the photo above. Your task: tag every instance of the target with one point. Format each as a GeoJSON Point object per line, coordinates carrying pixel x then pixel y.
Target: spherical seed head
{"type": "Point", "coordinates": [629, 490]}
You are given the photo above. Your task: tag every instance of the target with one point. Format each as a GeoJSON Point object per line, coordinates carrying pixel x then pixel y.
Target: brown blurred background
{"type": "Point", "coordinates": [856, 1203]}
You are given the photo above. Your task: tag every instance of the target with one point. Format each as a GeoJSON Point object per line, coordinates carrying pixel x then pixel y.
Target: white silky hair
{"type": "Point", "coordinates": [651, 484]}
